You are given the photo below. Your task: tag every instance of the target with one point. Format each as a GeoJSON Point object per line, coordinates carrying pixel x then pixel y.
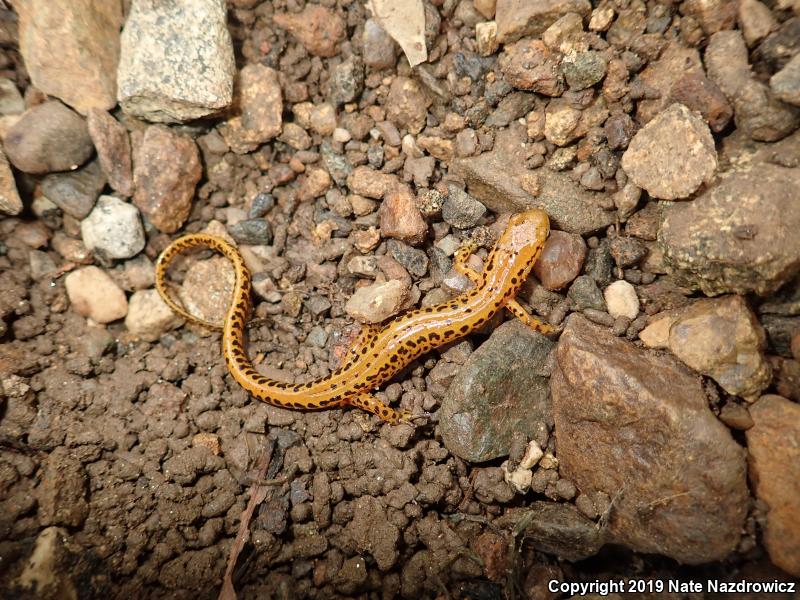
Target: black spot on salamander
{"type": "Point", "coordinates": [434, 336]}
{"type": "Point", "coordinates": [297, 404]}
{"type": "Point", "coordinates": [297, 387]}
{"type": "Point", "coordinates": [411, 344]}
{"type": "Point", "coordinates": [449, 332]}
{"type": "Point", "coordinates": [364, 350]}
{"type": "Point", "coordinates": [402, 351]}
{"type": "Point", "coordinates": [312, 405]}
{"type": "Point", "coordinates": [334, 386]}
{"type": "Point", "coordinates": [393, 358]}
{"type": "Point", "coordinates": [464, 328]}
{"type": "Point", "coordinates": [513, 281]}
{"type": "Point", "coordinates": [429, 309]}
{"type": "Point", "coordinates": [308, 385]}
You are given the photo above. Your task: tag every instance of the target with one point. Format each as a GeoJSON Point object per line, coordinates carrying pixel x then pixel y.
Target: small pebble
{"type": "Point", "coordinates": [622, 300]}
{"type": "Point", "coordinates": [113, 229]}
{"type": "Point", "coordinates": [94, 294]}
{"type": "Point", "coordinates": [461, 210]}
{"type": "Point", "coordinates": [261, 205]}
{"type": "Point", "coordinates": [256, 232]}
{"type": "Point", "coordinates": [377, 302]}
{"type": "Point", "coordinates": [149, 317]}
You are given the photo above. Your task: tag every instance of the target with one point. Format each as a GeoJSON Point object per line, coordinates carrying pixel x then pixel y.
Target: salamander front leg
{"type": "Point", "coordinates": [460, 262]}
{"type": "Point", "coordinates": [534, 323]}
{"type": "Point", "coordinates": [379, 409]}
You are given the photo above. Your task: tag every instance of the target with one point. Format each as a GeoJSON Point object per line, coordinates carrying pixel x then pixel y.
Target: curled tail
{"type": "Point", "coordinates": [241, 292]}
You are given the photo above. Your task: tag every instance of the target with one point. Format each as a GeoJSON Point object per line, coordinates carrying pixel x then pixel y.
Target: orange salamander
{"type": "Point", "coordinates": [384, 349]}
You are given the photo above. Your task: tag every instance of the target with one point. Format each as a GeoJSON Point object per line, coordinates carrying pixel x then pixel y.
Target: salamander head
{"type": "Point", "coordinates": [525, 233]}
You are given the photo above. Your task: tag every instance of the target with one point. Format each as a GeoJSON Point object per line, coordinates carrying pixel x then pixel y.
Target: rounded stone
{"type": "Point", "coordinates": [113, 229]}
{"type": "Point", "coordinates": [622, 300]}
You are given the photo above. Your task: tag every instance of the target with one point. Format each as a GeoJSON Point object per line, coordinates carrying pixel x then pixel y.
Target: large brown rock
{"type": "Point", "coordinates": [166, 172]}
{"type": "Point", "coordinates": [774, 447]}
{"type": "Point", "coordinates": [636, 425]}
{"type": "Point", "coordinates": [738, 237]}
{"type": "Point", "coordinates": [496, 178]}
{"type": "Point", "coordinates": [71, 49]}
{"type": "Point", "coordinates": [317, 28]}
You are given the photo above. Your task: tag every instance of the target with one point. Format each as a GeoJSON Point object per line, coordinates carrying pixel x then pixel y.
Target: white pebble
{"type": "Point", "coordinates": [621, 300]}
{"type": "Point", "coordinates": [94, 294]}
{"type": "Point", "coordinates": [377, 302]}
{"type": "Point", "coordinates": [113, 229]}
{"type": "Point", "coordinates": [149, 317]}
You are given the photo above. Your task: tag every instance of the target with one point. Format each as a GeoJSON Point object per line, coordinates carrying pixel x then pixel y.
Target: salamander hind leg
{"type": "Point", "coordinates": [379, 409]}
{"type": "Point", "coordinates": [534, 323]}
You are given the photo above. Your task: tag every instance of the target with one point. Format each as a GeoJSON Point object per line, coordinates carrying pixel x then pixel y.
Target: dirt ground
{"type": "Point", "coordinates": [127, 460]}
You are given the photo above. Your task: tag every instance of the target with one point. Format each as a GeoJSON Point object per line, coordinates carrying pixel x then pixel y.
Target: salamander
{"type": "Point", "coordinates": [384, 349]}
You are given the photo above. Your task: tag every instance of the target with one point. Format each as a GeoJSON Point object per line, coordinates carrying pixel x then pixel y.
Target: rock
{"type": "Point", "coordinates": [561, 530]}
{"type": "Point", "coordinates": [531, 66]}
{"type": "Point", "coordinates": [380, 50]}
{"type": "Point", "coordinates": [672, 155]}
{"type": "Point", "coordinates": [113, 229]}
{"type": "Point", "coordinates": [561, 260]}
{"type": "Point", "coordinates": [520, 18]}
{"type": "Point", "coordinates": [10, 202]}
{"type": "Point", "coordinates": [700, 94]}
{"type": "Point", "coordinates": [619, 129]}
{"type": "Point", "coordinates": [646, 442]}
{"type": "Point", "coordinates": [176, 61]}
{"type": "Point", "coordinates": [486, 7]}
{"type": "Point", "coordinates": [773, 445]}
{"type": "Point", "coordinates": [372, 533]}
{"type": "Point", "coordinates": [61, 493]}
{"type": "Point", "coordinates": [47, 570]}
{"type": "Point", "coordinates": [166, 170]}
{"type": "Point", "coordinates": [461, 210]}
{"type": "Point", "coordinates": [317, 28]}
{"type": "Point", "coordinates": [94, 294]}
{"type": "Point", "coordinates": [370, 183]}
{"type": "Point", "coordinates": [584, 293]}
{"type": "Point", "coordinates": [207, 289]}
{"type": "Point", "coordinates": [71, 50]}
{"type": "Point", "coordinates": [621, 300]}
{"type": "Point", "coordinates": [756, 112]}
{"type": "Point", "coordinates": [113, 147]}
{"type": "Point", "coordinates": [495, 178]}
{"type": "Point", "coordinates": [583, 69]}
{"type": "Point", "coordinates": [377, 302]}
{"type": "Point", "coordinates": [566, 35]}
{"type": "Point", "coordinates": [401, 219]}
{"type": "Point", "coordinates": [561, 121]}
{"type": "Point", "coordinates": [407, 105]}
{"type": "Point", "coordinates": [756, 21]}
{"type": "Point", "coordinates": [501, 389]}
{"type": "Point", "coordinates": [486, 38]}
{"type": "Point", "coordinates": [11, 102]}
{"type": "Point", "coordinates": [738, 237]}
{"type": "Point", "coordinates": [75, 193]}
{"type": "Point", "coordinates": [259, 114]}
{"type": "Point", "coordinates": [257, 232]}
{"type": "Point", "coordinates": [721, 338]}
{"type": "Point", "coordinates": [48, 137]}
{"type": "Point", "coordinates": [627, 251]}
{"type": "Point", "coordinates": [782, 44]}
{"type": "Point", "coordinates": [660, 76]}
{"type": "Point", "coordinates": [149, 317]}
{"type": "Point", "coordinates": [411, 259]}
{"type": "Point", "coordinates": [785, 84]}
{"type": "Point", "coordinates": [347, 81]}
{"type": "Point", "coordinates": [322, 118]}
{"type": "Point", "coordinates": [712, 15]}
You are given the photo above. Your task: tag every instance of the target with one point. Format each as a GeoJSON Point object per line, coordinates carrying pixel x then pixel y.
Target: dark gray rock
{"type": "Point", "coordinates": [502, 388]}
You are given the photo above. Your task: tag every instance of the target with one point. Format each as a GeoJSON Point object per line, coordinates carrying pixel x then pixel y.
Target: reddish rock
{"type": "Point", "coordinates": [167, 168]}
{"type": "Point", "coordinates": [660, 76]}
{"type": "Point", "coordinates": [635, 425]}
{"type": "Point", "coordinates": [319, 29]}
{"type": "Point", "coordinates": [113, 147]}
{"type": "Point", "coordinates": [561, 260]}
{"type": "Point", "coordinates": [521, 18]}
{"type": "Point", "coordinates": [71, 49]}
{"type": "Point", "coordinates": [370, 183]}
{"type": "Point", "coordinates": [700, 94]}
{"type": "Point", "coordinates": [773, 444]}
{"type": "Point", "coordinates": [713, 15]}
{"type": "Point", "coordinates": [10, 202]}
{"type": "Point", "coordinates": [259, 117]}
{"type": "Point", "coordinates": [530, 65]}
{"type": "Point", "coordinates": [95, 295]}
{"type": "Point", "coordinates": [401, 219]}
{"type": "Point", "coordinates": [672, 155]}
